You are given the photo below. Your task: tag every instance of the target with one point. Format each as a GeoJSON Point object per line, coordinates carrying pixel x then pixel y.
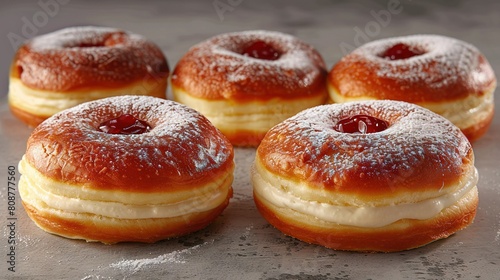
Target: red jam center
{"type": "Point", "coordinates": [401, 51]}
{"type": "Point", "coordinates": [125, 124]}
{"type": "Point", "coordinates": [90, 45]}
{"type": "Point", "coordinates": [361, 124]}
{"type": "Point", "coordinates": [261, 50]}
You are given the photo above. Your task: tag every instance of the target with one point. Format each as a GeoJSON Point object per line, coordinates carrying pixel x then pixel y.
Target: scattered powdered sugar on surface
{"type": "Point", "coordinates": [445, 60]}
{"type": "Point", "coordinates": [28, 240]}
{"type": "Point", "coordinates": [130, 267]}
{"type": "Point", "coordinates": [181, 141]}
{"type": "Point", "coordinates": [221, 63]}
{"type": "Point", "coordinates": [175, 257]}
{"type": "Point", "coordinates": [416, 138]}
{"type": "Point", "coordinates": [138, 264]}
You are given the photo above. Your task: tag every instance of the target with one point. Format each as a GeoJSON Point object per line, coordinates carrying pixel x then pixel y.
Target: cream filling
{"type": "Point", "coordinates": [467, 112]}
{"type": "Point", "coordinates": [258, 116]}
{"type": "Point", "coordinates": [46, 103]}
{"type": "Point", "coordinates": [88, 193]}
{"type": "Point", "coordinates": [368, 217]}
{"type": "Point", "coordinates": [35, 194]}
{"type": "Point", "coordinates": [463, 113]}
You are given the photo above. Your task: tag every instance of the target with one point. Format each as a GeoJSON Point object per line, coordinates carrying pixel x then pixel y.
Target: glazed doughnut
{"type": "Point", "coordinates": [448, 76]}
{"type": "Point", "coordinates": [366, 176]}
{"type": "Point", "coordinates": [247, 82]}
{"type": "Point", "coordinates": [89, 172]}
{"type": "Point", "coordinates": [62, 69]}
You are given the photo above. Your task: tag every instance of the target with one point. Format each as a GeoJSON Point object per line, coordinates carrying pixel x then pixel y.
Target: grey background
{"type": "Point", "coordinates": [240, 244]}
{"type": "Point", "coordinates": [177, 25]}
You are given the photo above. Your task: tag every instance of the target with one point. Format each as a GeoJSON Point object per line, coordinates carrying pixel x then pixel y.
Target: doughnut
{"type": "Point", "coordinates": [59, 70]}
{"type": "Point", "coordinates": [247, 82]}
{"type": "Point", "coordinates": [448, 76]}
{"type": "Point", "coordinates": [369, 176]}
{"type": "Point", "coordinates": [126, 169]}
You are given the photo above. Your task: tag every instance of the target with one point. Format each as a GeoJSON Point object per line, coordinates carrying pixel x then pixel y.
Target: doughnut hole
{"type": "Point", "coordinates": [108, 41]}
{"type": "Point", "coordinates": [401, 51]}
{"type": "Point", "coordinates": [125, 124]}
{"type": "Point", "coordinates": [261, 50]}
{"type": "Point", "coordinates": [90, 45]}
{"type": "Point", "coordinates": [361, 124]}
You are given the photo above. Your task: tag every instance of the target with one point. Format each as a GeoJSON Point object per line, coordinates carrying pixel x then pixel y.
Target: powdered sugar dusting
{"type": "Point", "coordinates": [87, 56]}
{"type": "Point", "coordinates": [224, 69]}
{"type": "Point", "coordinates": [180, 143]}
{"type": "Point", "coordinates": [417, 140]}
{"type": "Point", "coordinates": [72, 37]}
{"type": "Point", "coordinates": [444, 62]}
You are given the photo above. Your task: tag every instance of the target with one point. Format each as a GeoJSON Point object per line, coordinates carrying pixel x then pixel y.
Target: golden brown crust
{"type": "Point", "coordinates": [480, 128]}
{"type": "Point", "coordinates": [359, 192]}
{"type": "Point", "coordinates": [171, 180]}
{"type": "Point", "coordinates": [205, 70]}
{"type": "Point", "coordinates": [86, 58]}
{"type": "Point", "coordinates": [372, 166]}
{"type": "Point", "coordinates": [183, 148]}
{"type": "Point", "coordinates": [448, 70]}
{"type": "Point", "coordinates": [356, 78]}
{"type": "Point", "coordinates": [402, 235]}
{"type": "Point", "coordinates": [58, 70]}
{"type": "Point", "coordinates": [216, 71]}
{"type": "Point", "coordinates": [109, 231]}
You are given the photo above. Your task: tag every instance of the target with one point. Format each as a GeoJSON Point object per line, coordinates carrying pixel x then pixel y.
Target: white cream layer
{"type": "Point", "coordinates": [258, 116]}
{"type": "Point", "coordinates": [368, 217]}
{"type": "Point", "coordinates": [34, 193]}
{"type": "Point", "coordinates": [46, 103]}
{"type": "Point", "coordinates": [463, 113]}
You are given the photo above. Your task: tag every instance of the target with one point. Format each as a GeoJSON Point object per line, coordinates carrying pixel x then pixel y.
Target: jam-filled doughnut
{"type": "Point", "coordinates": [129, 168]}
{"type": "Point", "coordinates": [446, 75]}
{"type": "Point", "coordinates": [59, 70]}
{"type": "Point", "coordinates": [366, 176]}
{"type": "Point", "coordinates": [247, 82]}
